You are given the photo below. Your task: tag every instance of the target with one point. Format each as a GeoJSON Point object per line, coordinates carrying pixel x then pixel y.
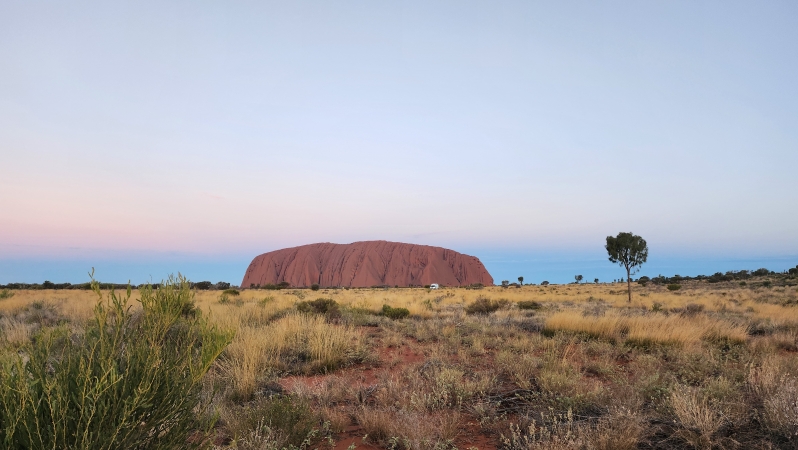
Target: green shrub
{"type": "Point", "coordinates": [395, 313]}
{"type": "Point", "coordinates": [203, 285]}
{"type": "Point", "coordinates": [326, 306]}
{"type": "Point", "coordinates": [529, 304]}
{"type": "Point", "coordinates": [233, 292]}
{"type": "Point", "coordinates": [674, 287]}
{"type": "Point", "coordinates": [5, 293]}
{"type": "Point", "coordinates": [314, 287]}
{"type": "Point", "coordinates": [484, 305]}
{"type": "Point", "coordinates": [274, 287]}
{"type": "Point", "coordinates": [274, 422]}
{"type": "Point", "coordinates": [129, 380]}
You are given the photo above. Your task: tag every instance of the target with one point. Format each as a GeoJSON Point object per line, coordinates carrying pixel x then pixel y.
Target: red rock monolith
{"type": "Point", "coordinates": [365, 264]}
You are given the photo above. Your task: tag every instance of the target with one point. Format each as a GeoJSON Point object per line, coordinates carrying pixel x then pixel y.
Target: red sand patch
{"type": "Point", "coordinates": [473, 437]}
{"type": "Point", "coordinates": [353, 435]}
{"type": "Point", "coordinates": [392, 360]}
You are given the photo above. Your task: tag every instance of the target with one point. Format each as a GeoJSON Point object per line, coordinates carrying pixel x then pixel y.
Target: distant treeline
{"type": "Point", "coordinates": [201, 285]}
{"type": "Point", "coordinates": [717, 277]}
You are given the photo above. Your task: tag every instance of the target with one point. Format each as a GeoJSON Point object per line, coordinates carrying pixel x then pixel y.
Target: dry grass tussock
{"type": "Point", "coordinates": [648, 328]}
{"type": "Point", "coordinates": [294, 343]}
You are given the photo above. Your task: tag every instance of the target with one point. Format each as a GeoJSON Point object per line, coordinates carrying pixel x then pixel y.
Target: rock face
{"type": "Point", "coordinates": [365, 264]}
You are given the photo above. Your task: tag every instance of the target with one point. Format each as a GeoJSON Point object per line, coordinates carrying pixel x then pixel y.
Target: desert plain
{"type": "Point", "coordinates": [576, 366]}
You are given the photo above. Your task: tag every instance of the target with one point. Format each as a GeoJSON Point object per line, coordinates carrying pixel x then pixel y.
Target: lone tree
{"type": "Point", "coordinates": [578, 278]}
{"type": "Point", "coordinates": [628, 251]}
{"type": "Point", "coordinates": [521, 281]}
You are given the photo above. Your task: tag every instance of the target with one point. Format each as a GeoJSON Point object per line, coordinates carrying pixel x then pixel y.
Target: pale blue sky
{"type": "Point", "coordinates": [151, 137]}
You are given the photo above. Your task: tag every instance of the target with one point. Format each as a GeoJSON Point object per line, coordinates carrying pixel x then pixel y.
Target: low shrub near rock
{"type": "Point", "coordinates": [484, 305]}
{"type": "Point", "coordinates": [325, 306]}
{"type": "Point", "coordinates": [529, 304]}
{"type": "Point", "coordinates": [274, 422]}
{"type": "Point", "coordinates": [674, 287]}
{"type": "Point", "coordinates": [395, 313]}
{"type": "Point", "coordinates": [233, 292]}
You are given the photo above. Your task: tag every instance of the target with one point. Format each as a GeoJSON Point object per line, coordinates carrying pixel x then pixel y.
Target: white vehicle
{"type": "Point", "coordinates": [433, 286]}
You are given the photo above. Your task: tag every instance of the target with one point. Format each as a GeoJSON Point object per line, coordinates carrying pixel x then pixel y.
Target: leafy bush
{"type": "Point", "coordinates": [692, 309]}
{"type": "Point", "coordinates": [674, 287]}
{"type": "Point", "coordinates": [5, 293]}
{"type": "Point", "coordinates": [129, 380]}
{"type": "Point", "coordinates": [203, 285]}
{"type": "Point", "coordinates": [275, 422]}
{"type": "Point", "coordinates": [224, 299]}
{"type": "Point", "coordinates": [273, 287]}
{"type": "Point", "coordinates": [395, 313]}
{"type": "Point", "coordinates": [233, 292]}
{"type": "Point", "coordinates": [314, 287]}
{"type": "Point", "coordinates": [529, 304]}
{"type": "Point", "coordinates": [484, 305]}
{"type": "Point", "coordinates": [326, 306]}
{"type": "Point", "coordinates": [544, 283]}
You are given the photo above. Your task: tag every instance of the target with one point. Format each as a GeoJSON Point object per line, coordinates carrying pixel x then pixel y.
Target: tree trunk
{"type": "Point", "coordinates": [629, 284]}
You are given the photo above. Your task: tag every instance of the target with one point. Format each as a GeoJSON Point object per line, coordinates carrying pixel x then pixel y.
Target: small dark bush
{"type": "Point", "coordinates": [674, 287]}
{"type": "Point", "coordinates": [233, 292]}
{"type": "Point", "coordinates": [5, 293]}
{"type": "Point", "coordinates": [395, 313]}
{"type": "Point", "coordinates": [275, 287]}
{"type": "Point", "coordinates": [529, 304]}
{"type": "Point", "coordinates": [222, 285]}
{"type": "Point", "coordinates": [484, 305]}
{"type": "Point", "coordinates": [314, 287]}
{"type": "Point", "coordinates": [692, 309]}
{"type": "Point", "coordinates": [202, 285]}
{"type": "Point", "coordinates": [289, 419]}
{"type": "Point", "coordinates": [544, 283]}
{"type": "Point", "coordinates": [326, 306]}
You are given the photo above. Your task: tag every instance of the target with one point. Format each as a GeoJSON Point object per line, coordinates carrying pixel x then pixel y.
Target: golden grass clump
{"type": "Point", "coordinates": [295, 343]}
{"type": "Point", "coordinates": [648, 328]}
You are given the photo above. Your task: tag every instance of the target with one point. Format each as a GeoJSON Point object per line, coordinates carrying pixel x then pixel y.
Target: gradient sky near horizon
{"type": "Point", "coordinates": [145, 138]}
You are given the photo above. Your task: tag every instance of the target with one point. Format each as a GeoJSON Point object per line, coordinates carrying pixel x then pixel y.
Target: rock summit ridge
{"type": "Point", "coordinates": [365, 264]}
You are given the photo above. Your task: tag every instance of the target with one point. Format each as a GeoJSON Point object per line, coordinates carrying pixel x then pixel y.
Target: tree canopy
{"type": "Point", "coordinates": [629, 251]}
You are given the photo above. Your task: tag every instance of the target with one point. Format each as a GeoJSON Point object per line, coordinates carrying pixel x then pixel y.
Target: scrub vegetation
{"type": "Point", "coordinates": [712, 365]}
